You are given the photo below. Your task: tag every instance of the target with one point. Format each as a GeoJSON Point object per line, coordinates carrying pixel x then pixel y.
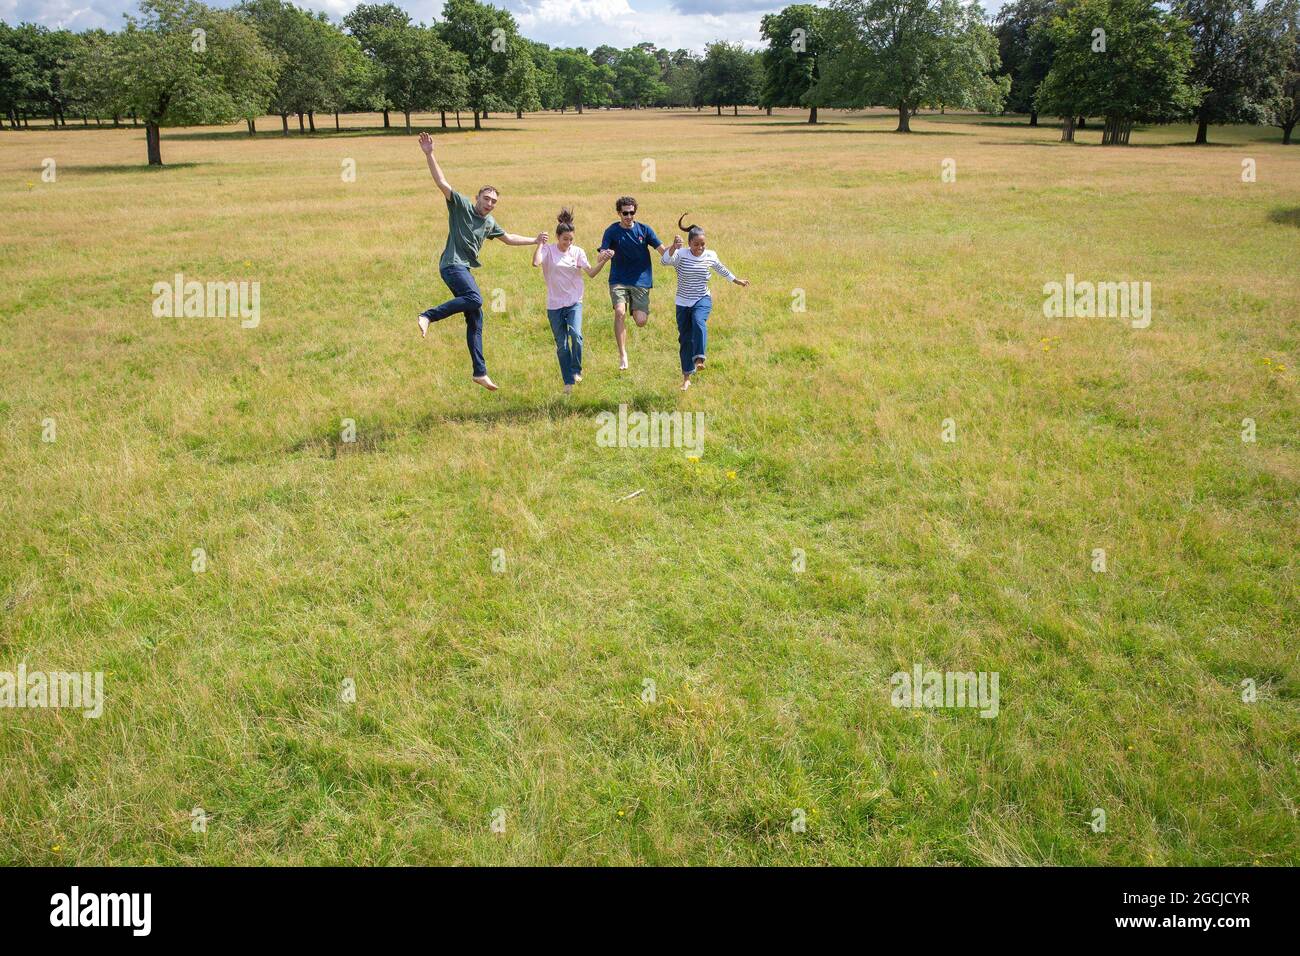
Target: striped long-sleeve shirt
{"type": "Point", "coordinates": [693, 273]}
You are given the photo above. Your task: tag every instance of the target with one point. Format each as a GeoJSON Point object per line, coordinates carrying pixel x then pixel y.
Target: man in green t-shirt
{"type": "Point", "coordinates": [469, 224]}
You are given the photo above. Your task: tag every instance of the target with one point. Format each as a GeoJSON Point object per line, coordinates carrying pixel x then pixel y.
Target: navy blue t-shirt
{"type": "Point", "coordinates": [631, 262]}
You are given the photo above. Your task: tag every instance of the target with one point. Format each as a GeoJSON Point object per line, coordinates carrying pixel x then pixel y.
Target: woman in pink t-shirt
{"type": "Point", "coordinates": [563, 264]}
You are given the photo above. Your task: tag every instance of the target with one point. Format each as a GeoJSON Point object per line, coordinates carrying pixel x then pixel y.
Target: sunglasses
{"type": "Point", "coordinates": [627, 212]}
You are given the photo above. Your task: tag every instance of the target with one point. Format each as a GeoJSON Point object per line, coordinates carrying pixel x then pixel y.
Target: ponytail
{"type": "Point", "coordinates": [564, 221]}
{"type": "Point", "coordinates": [692, 230]}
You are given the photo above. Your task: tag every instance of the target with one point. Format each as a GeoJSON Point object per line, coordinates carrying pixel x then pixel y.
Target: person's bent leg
{"type": "Point", "coordinates": [559, 329]}
{"type": "Point", "coordinates": [464, 290]}
{"type": "Point", "coordinates": [639, 303]}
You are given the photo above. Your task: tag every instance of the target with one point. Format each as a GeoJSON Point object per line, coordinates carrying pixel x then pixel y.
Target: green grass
{"type": "Point", "coordinates": [371, 561]}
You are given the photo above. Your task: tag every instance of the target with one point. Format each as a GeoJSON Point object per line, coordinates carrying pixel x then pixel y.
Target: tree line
{"type": "Point", "coordinates": [180, 62]}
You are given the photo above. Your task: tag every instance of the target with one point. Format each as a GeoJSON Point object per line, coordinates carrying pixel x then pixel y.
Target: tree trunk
{"type": "Point", "coordinates": [719, 106]}
{"type": "Point", "coordinates": [1116, 131]}
{"type": "Point", "coordinates": [477, 124]}
{"type": "Point", "coordinates": [735, 110]}
{"type": "Point", "coordinates": [1202, 130]}
{"type": "Point", "coordinates": [84, 120]}
{"type": "Point", "coordinates": [284, 118]}
{"type": "Point", "coordinates": [301, 128]}
{"type": "Point", "coordinates": [151, 136]}
{"type": "Point", "coordinates": [812, 115]}
{"type": "Point", "coordinates": [385, 119]}
{"type": "Point", "coordinates": [135, 120]}
{"type": "Point", "coordinates": [252, 127]}
{"type": "Point", "coordinates": [769, 111]}
{"type": "Point", "coordinates": [579, 107]}
{"type": "Point", "coordinates": [904, 121]}
{"type": "Point", "coordinates": [1067, 129]}
{"type": "Point", "coordinates": [458, 119]}
{"type": "Point", "coordinates": [1286, 133]}
{"type": "Point", "coordinates": [1081, 123]}
{"type": "Point", "coordinates": [444, 118]}
{"type": "Point", "coordinates": [519, 113]}
{"type": "Point", "coordinates": [1033, 117]}
{"type": "Point", "coordinates": [336, 121]}
{"type": "Point", "coordinates": [311, 119]}
{"type": "Point", "coordinates": [407, 113]}
{"type": "Point", "coordinates": [117, 122]}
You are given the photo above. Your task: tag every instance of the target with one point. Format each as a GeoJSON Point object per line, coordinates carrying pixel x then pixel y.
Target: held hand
{"type": "Point", "coordinates": [606, 255]}
{"type": "Point", "coordinates": [677, 243]}
{"type": "Point", "coordinates": [426, 144]}
{"type": "Point", "coordinates": [743, 282]}
{"type": "Point", "coordinates": [541, 238]}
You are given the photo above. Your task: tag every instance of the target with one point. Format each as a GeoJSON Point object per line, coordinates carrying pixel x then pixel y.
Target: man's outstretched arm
{"type": "Point", "coordinates": [510, 239]}
{"type": "Point", "coordinates": [426, 144]}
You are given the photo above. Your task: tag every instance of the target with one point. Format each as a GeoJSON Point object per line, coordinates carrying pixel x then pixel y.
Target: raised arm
{"type": "Point", "coordinates": [537, 254]}
{"type": "Point", "coordinates": [426, 144]}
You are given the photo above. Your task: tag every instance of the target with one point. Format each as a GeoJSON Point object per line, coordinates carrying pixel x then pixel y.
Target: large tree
{"type": "Point", "coordinates": [173, 77]}
{"type": "Point", "coordinates": [911, 53]}
{"type": "Point", "coordinates": [1139, 76]}
{"type": "Point", "coordinates": [795, 37]}
{"type": "Point", "coordinates": [1284, 104]}
{"type": "Point", "coordinates": [582, 82]}
{"type": "Point", "coordinates": [20, 79]}
{"type": "Point", "coordinates": [1235, 58]}
{"type": "Point", "coordinates": [636, 77]}
{"type": "Point", "coordinates": [94, 76]}
{"type": "Point", "coordinates": [485, 36]}
{"type": "Point", "coordinates": [519, 87]}
{"type": "Point", "coordinates": [363, 23]}
{"type": "Point", "coordinates": [728, 76]}
{"type": "Point", "coordinates": [1025, 48]}
{"type": "Point", "coordinates": [302, 46]}
{"type": "Point", "coordinates": [419, 71]}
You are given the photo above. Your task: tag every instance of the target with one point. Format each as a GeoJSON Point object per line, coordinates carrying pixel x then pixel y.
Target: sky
{"type": "Point", "coordinates": [684, 24]}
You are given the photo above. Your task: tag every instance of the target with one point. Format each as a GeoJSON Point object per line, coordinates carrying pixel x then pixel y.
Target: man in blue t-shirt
{"type": "Point", "coordinates": [630, 278]}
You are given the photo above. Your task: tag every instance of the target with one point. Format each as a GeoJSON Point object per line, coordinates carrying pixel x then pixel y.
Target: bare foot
{"type": "Point", "coordinates": [577, 379]}
{"type": "Point", "coordinates": [686, 382]}
{"type": "Point", "coordinates": [622, 363]}
{"type": "Point", "coordinates": [486, 382]}
{"type": "Point", "coordinates": [568, 390]}
{"type": "Point", "coordinates": [423, 321]}
{"type": "Point", "coordinates": [699, 363]}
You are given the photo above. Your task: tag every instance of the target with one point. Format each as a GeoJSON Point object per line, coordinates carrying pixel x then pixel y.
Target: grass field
{"type": "Point", "coordinates": [517, 697]}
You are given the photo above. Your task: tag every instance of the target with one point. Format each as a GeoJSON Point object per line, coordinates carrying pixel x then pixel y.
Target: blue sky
{"type": "Point", "coordinates": [621, 23]}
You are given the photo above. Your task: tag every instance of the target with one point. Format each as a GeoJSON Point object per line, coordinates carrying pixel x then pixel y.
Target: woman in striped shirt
{"type": "Point", "coordinates": [693, 301]}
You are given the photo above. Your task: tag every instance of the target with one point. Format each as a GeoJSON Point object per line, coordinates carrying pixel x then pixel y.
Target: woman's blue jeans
{"type": "Point", "coordinates": [566, 326]}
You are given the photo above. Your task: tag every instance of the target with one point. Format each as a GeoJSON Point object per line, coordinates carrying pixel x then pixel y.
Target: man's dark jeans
{"type": "Point", "coordinates": [468, 300]}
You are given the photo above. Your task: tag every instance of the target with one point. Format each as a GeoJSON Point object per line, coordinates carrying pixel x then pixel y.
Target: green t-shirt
{"type": "Point", "coordinates": [466, 231]}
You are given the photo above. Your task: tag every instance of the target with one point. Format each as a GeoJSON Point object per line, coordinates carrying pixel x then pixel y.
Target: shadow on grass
{"type": "Point", "coordinates": [321, 133]}
{"type": "Point", "coordinates": [1285, 216]}
{"type": "Point", "coordinates": [805, 128]}
{"type": "Point", "coordinates": [330, 445]}
{"type": "Point", "coordinates": [141, 167]}
{"type": "Point", "coordinates": [1027, 142]}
